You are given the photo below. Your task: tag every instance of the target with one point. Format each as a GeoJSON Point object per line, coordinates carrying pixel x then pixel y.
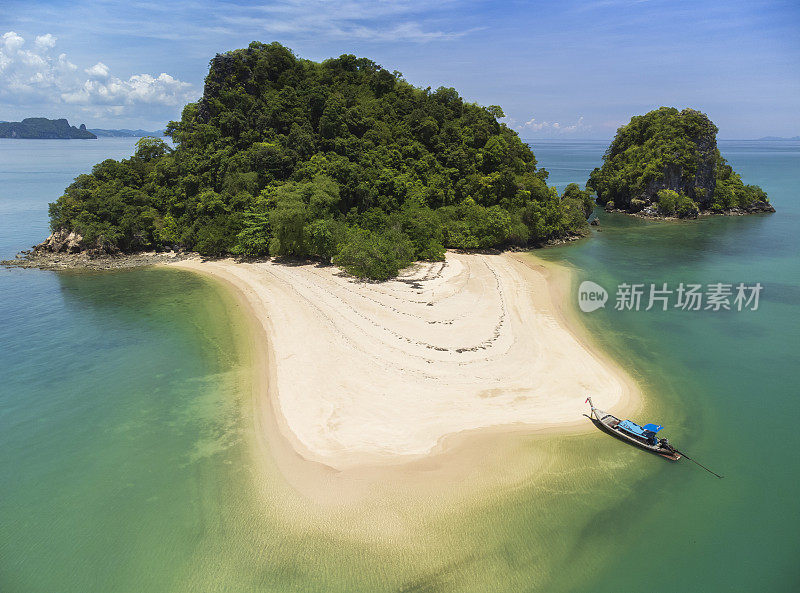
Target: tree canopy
{"type": "Point", "coordinates": [676, 152]}
{"type": "Point", "coordinates": [340, 160]}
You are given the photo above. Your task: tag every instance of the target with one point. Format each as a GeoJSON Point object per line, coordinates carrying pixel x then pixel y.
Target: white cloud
{"type": "Point", "coordinates": [33, 79]}
{"type": "Point", "coordinates": [64, 63]}
{"type": "Point", "coordinates": [99, 70]}
{"type": "Point", "coordinates": [138, 89]}
{"type": "Point", "coordinates": [45, 41]}
{"type": "Point", "coordinates": [12, 41]}
{"type": "Point", "coordinates": [553, 128]}
{"type": "Point", "coordinates": [369, 20]}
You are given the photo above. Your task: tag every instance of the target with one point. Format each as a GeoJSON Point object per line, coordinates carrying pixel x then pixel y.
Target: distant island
{"type": "Point", "coordinates": [43, 128]}
{"type": "Point", "coordinates": [124, 133]}
{"type": "Point", "coordinates": [793, 138]}
{"type": "Point", "coordinates": [666, 164]}
{"type": "Point", "coordinates": [340, 161]}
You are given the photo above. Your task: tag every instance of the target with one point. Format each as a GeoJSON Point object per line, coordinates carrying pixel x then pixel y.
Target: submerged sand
{"type": "Point", "coordinates": [364, 374]}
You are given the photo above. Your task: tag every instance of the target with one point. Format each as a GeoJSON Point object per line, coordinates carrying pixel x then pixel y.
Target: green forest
{"type": "Point", "coordinates": [340, 161]}
{"type": "Point", "coordinates": [668, 160]}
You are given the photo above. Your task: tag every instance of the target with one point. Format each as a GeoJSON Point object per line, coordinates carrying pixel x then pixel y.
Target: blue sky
{"type": "Point", "coordinates": [559, 69]}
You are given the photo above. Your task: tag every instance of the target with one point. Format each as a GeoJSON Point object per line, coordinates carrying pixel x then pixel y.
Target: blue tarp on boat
{"type": "Point", "coordinates": [653, 427]}
{"type": "Point", "coordinates": [632, 428]}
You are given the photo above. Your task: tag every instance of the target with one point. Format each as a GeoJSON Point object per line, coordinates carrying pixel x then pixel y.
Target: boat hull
{"type": "Point", "coordinates": [609, 422]}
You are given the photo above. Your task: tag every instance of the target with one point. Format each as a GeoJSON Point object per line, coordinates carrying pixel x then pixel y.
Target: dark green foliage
{"type": "Point", "coordinates": [552, 216]}
{"type": "Point", "coordinates": [686, 207]}
{"type": "Point", "coordinates": [253, 239]}
{"type": "Point", "coordinates": [664, 149]}
{"type": "Point", "coordinates": [287, 157]}
{"type": "Point", "coordinates": [375, 255]}
{"type": "Point", "coordinates": [667, 201]}
{"type": "Point", "coordinates": [216, 236]}
{"type": "Point", "coordinates": [323, 237]}
{"type": "Point", "coordinates": [581, 199]}
{"type": "Point", "coordinates": [731, 192]}
{"type": "Point", "coordinates": [424, 229]}
{"type": "Point", "coordinates": [671, 203]}
{"type": "Point", "coordinates": [675, 151]}
{"type": "Point", "coordinates": [472, 226]}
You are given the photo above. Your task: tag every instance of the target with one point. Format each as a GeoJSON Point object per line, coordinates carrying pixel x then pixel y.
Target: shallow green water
{"type": "Point", "coordinates": [110, 418]}
{"type": "Point", "coordinates": [126, 461]}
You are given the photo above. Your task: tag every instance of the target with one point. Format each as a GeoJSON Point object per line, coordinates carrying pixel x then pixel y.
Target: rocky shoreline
{"type": "Point", "coordinates": [64, 250]}
{"type": "Point", "coordinates": [652, 213]}
{"type": "Point", "coordinates": [46, 260]}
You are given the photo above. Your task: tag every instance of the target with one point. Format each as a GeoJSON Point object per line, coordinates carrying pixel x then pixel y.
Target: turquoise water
{"type": "Point", "coordinates": [113, 435]}
{"type": "Point", "coordinates": [728, 382]}
{"type": "Point", "coordinates": [124, 421]}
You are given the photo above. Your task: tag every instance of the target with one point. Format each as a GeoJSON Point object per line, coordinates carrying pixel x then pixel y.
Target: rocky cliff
{"type": "Point", "coordinates": [666, 163]}
{"type": "Point", "coordinates": [69, 242]}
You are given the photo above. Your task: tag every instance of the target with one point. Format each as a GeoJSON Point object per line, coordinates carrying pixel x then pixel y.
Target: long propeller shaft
{"type": "Point", "coordinates": [698, 463]}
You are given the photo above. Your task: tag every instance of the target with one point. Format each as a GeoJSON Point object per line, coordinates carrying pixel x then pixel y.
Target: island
{"type": "Point", "coordinates": [666, 164]}
{"type": "Point", "coordinates": [41, 128]}
{"type": "Point", "coordinates": [337, 161]}
{"type": "Point", "coordinates": [344, 162]}
{"type": "Point", "coordinates": [287, 164]}
{"type": "Point", "coordinates": [124, 133]}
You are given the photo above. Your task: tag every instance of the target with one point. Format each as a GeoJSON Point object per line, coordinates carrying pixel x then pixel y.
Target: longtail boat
{"type": "Point", "coordinates": [641, 436]}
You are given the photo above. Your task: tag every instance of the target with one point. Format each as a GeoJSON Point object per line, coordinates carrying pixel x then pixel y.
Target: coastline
{"type": "Point", "coordinates": [767, 208]}
{"type": "Point", "coordinates": [184, 480]}
{"type": "Point", "coordinates": [561, 283]}
{"type": "Point", "coordinates": [83, 261]}
{"type": "Point", "coordinates": [466, 456]}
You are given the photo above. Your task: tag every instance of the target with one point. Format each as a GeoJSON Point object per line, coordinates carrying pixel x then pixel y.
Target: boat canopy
{"type": "Point", "coordinates": [631, 427]}
{"type": "Point", "coordinates": [647, 431]}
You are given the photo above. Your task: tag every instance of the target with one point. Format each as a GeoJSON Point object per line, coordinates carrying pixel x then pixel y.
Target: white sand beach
{"type": "Point", "coordinates": [369, 374]}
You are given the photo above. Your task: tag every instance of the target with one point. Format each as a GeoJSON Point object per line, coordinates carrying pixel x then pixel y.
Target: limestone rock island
{"type": "Point", "coordinates": [667, 164]}
{"type": "Point", "coordinates": [41, 128]}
